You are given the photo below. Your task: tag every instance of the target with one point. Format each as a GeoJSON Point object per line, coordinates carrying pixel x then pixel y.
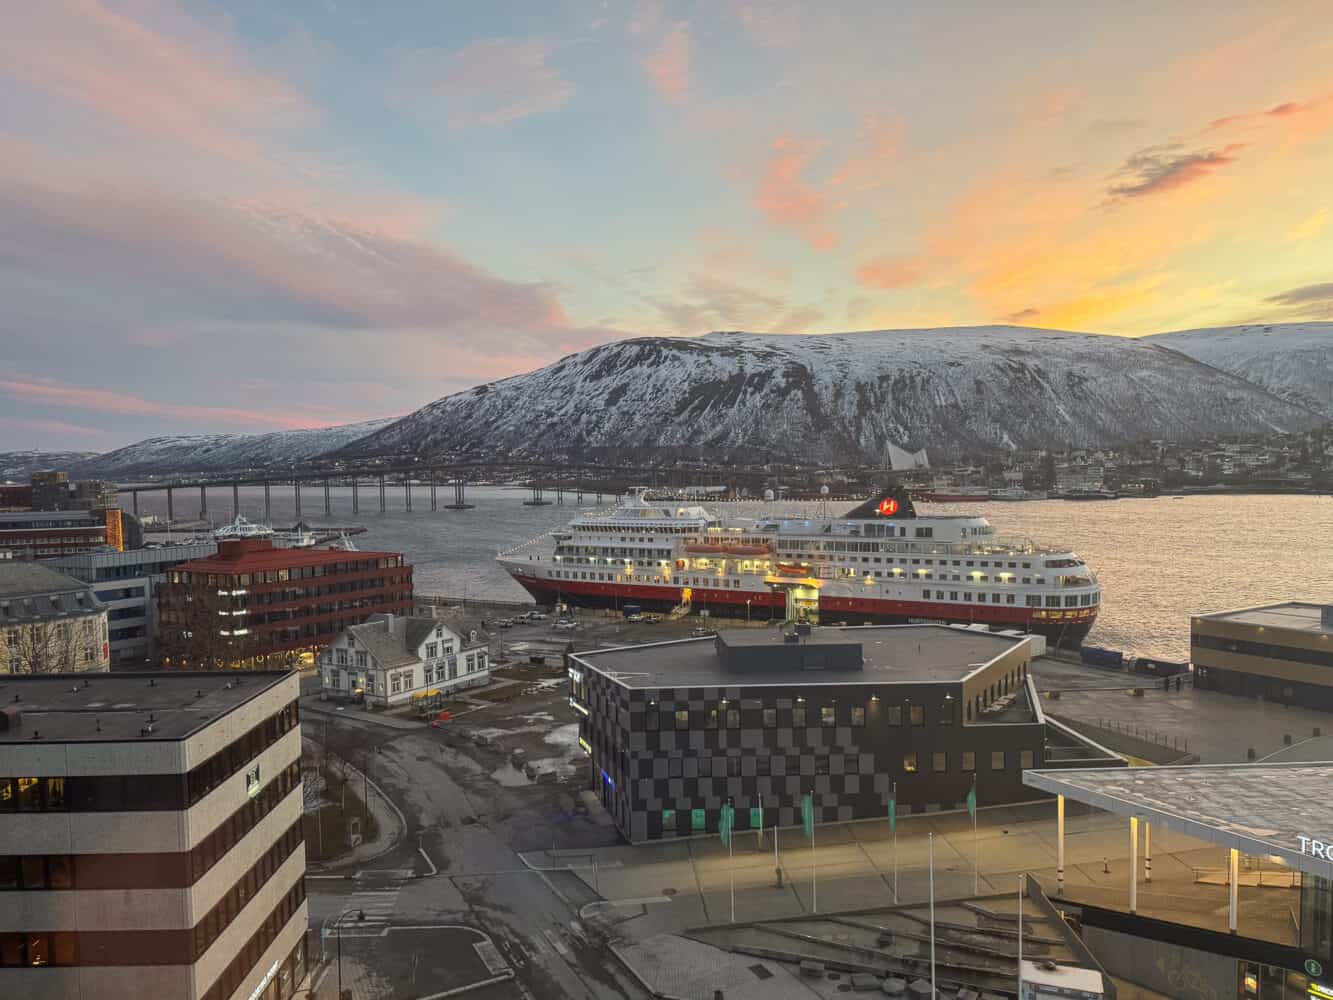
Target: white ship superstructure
{"type": "Point", "coordinates": [880, 562]}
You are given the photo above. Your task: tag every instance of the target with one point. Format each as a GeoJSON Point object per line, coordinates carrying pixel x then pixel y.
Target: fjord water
{"type": "Point", "coordinates": [1158, 560]}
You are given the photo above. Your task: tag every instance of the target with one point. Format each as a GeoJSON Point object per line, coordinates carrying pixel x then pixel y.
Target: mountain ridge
{"type": "Point", "coordinates": [733, 396]}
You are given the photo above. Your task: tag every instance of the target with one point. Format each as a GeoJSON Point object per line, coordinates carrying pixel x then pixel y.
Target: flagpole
{"type": "Point", "coordinates": [814, 879]}
{"type": "Point", "coordinates": [976, 864]}
{"type": "Point", "coordinates": [732, 871]}
{"type": "Point", "coordinates": [894, 793]}
{"type": "Point", "coordinates": [1020, 936]}
{"type": "Point", "coordinates": [931, 842]}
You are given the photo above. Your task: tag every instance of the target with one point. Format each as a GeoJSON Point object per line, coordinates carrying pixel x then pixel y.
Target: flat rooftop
{"type": "Point", "coordinates": [890, 654]}
{"type": "Point", "coordinates": [1294, 616]}
{"type": "Point", "coordinates": [1260, 809]}
{"type": "Point", "coordinates": [69, 708]}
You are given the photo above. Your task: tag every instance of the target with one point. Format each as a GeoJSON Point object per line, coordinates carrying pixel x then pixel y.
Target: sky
{"type": "Point", "coordinates": [249, 216]}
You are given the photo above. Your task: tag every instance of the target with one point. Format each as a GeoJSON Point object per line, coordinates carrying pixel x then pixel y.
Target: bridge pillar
{"type": "Point", "coordinates": [407, 493]}
{"type": "Point", "coordinates": [537, 499]}
{"type": "Point", "coordinates": [268, 506]}
{"type": "Point", "coordinates": [356, 499]}
{"type": "Point", "coordinates": [134, 499]}
{"type": "Point", "coordinates": [599, 498]}
{"type": "Point", "coordinates": [460, 496]}
{"type": "Point", "coordinates": [235, 500]}
{"type": "Point", "coordinates": [559, 496]}
{"type": "Point", "coordinates": [382, 493]}
{"type": "Point", "coordinates": [171, 506]}
{"type": "Point", "coordinates": [296, 492]}
{"type": "Point", "coordinates": [328, 502]}
{"type": "Point", "coordinates": [432, 491]}
{"type": "Point", "coordinates": [203, 503]}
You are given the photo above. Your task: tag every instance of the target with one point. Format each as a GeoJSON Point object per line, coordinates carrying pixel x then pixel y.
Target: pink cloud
{"type": "Point", "coordinates": [876, 148]}
{"type": "Point", "coordinates": [887, 273]}
{"type": "Point", "coordinates": [48, 392]}
{"type": "Point", "coordinates": [787, 199]}
{"type": "Point", "coordinates": [1161, 169]}
{"type": "Point", "coordinates": [669, 64]}
{"type": "Point", "coordinates": [488, 82]}
{"type": "Point", "coordinates": [58, 429]}
{"type": "Point", "coordinates": [191, 87]}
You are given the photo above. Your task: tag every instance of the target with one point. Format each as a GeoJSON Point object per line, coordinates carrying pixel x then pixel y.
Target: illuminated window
{"type": "Point", "coordinates": [909, 762]}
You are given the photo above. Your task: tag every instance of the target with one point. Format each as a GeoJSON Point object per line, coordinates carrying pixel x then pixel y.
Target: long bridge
{"type": "Point", "coordinates": [540, 478]}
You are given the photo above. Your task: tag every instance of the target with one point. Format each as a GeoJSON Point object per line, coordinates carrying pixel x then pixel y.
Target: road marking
{"type": "Point", "coordinates": [491, 956]}
{"type": "Point", "coordinates": [559, 945]}
{"type": "Point", "coordinates": [507, 975]}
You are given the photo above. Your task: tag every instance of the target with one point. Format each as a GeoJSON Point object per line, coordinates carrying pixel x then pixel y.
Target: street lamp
{"type": "Point", "coordinates": [338, 933]}
{"type": "Point", "coordinates": [747, 610]}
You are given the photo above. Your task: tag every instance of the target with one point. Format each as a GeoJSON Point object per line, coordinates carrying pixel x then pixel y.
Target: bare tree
{"type": "Point", "coordinates": [54, 647]}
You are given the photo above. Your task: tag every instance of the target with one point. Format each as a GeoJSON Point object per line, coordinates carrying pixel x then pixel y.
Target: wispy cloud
{"type": "Point", "coordinates": [163, 76]}
{"type": "Point", "coordinates": [1161, 169]}
{"type": "Point", "coordinates": [887, 273]}
{"type": "Point", "coordinates": [1023, 315]}
{"type": "Point", "coordinates": [1307, 301]}
{"type": "Point", "coordinates": [668, 66]}
{"type": "Point", "coordinates": [488, 82]}
{"type": "Point", "coordinates": [48, 392]}
{"type": "Point", "coordinates": [786, 198]}
{"type": "Point", "coordinates": [706, 303]}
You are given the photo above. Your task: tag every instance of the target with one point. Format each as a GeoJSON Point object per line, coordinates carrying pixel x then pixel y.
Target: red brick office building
{"type": "Point", "coordinates": [255, 606]}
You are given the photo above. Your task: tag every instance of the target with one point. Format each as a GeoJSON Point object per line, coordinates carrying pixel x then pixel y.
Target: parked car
{"type": "Point", "coordinates": [652, 619]}
{"type": "Point", "coordinates": [503, 623]}
{"type": "Point", "coordinates": [636, 617]}
{"type": "Point", "coordinates": [701, 632]}
{"type": "Point", "coordinates": [565, 626]}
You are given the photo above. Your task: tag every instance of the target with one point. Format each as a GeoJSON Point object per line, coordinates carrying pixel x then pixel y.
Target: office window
{"type": "Point", "coordinates": [682, 719]}
{"type": "Point", "coordinates": [858, 715]}
{"type": "Point", "coordinates": [733, 767]}
{"type": "Point", "coordinates": [945, 717]}
{"type": "Point", "coordinates": [770, 718]}
{"type": "Point", "coordinates": [893, 715]}
{"type": "Point", "coordinates": [733, 718]}
{"type": "Point", "coordinates": [909, 762]}
{"type": "Point", "coordinates": [939, 762]}
{"type": "Point", "coordinates": [918, 715]}
{"type": "Point", "coordinates": [798, 715]}
{"type": "Point", "coordinates": [763, 766]}
{"type": "Point", "coordinates": [668, 820]}
{"type": "Point", "coordinates": [1025, 759]}
{"type": "Point", "coordinates": [710, 719]}
{"type": "Point", "coordinates": [969, 761]}
{"type": "Point", "coordinates": [828, 715]}
{"type": "Point", "coordinates": [997, 760]}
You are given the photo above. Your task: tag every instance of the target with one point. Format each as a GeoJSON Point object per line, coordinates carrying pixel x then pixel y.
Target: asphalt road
{"type": "Point", "coordinates": [453, 903]}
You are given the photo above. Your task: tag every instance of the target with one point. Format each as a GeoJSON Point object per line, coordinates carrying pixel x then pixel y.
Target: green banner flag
{"type": "Point", "coordinates": [725, 822]}
{"type": "Point", "coordinates": [972, 799]}
{"type": "Point", "coordinates": [893, 811]}
{"type": "Point", "coordinates": [808, 816]}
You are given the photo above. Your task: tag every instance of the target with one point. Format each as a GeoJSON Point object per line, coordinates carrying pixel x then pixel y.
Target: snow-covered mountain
{"type": "Point", "coordinates": [840, 398]}
{"type": "Point", "coordinates": [18, 466]}
{"type": "Point", "coordinates": [1291, 360]}
{"type": "Point", "coordinates": [220, 452]}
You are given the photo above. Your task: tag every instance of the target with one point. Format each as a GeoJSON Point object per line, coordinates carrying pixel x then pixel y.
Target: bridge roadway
{"type": "Point", "coordinates": [596, 480]}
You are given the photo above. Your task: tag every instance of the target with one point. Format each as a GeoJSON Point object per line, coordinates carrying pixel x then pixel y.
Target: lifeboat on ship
{"type": "Point", "coordinates": [705, 550]}
{"type": "Point", "coordinates": [791, 569]}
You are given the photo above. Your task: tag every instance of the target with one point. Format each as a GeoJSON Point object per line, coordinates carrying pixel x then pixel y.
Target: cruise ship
{"type": "Point", "coordinates": [881, 562]}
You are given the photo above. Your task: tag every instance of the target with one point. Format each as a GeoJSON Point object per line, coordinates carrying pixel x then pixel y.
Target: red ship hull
{"type": "Point", "coordinates": [1067, 628]}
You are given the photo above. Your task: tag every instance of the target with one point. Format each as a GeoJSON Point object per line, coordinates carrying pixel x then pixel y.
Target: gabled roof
{"type": "Point", "coordinates": [394, 640]}
{"type": "Point", "coordinates": [30, 592]}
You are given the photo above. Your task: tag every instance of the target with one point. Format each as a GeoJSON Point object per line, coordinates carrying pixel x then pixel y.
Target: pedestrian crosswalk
{"type": "Point", "coordinates": [371, 907]}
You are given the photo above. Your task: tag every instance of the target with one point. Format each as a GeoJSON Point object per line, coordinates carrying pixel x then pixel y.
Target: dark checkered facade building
{"type": "Point", "coordinates": [664, 759]}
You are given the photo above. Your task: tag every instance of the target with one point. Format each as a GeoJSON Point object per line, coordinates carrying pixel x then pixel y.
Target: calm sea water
{"type": "Point", "coordinates": [1158, 560]}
